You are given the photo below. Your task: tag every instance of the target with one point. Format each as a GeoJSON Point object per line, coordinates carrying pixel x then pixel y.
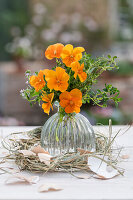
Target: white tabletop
{"type": "Point", "coordinates": [73, 188]}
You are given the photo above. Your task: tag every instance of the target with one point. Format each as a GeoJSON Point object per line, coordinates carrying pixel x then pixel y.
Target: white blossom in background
{"type": "Point", "coordinates": [47, 35]}
{"type": "Point", "coordinates": [30, 30]}
{"type": "Point", "coordinates": [63, 19]}
{"type": "Point", "coordinates": [74, 36]}
{"type": "Point", "coordinates": [12, 46]}
{"type": "Point", "coordinates": [66, 37]}
{"type": "Point", "coordinates": [56, 27]}
{"type": "Point", "coordinates": [9, 121]}
{"type": "Point", "coordinates": [127, 33]}
{"type": "Point", "coordinates": [77, 36]}
{"type": "Point", "coordinates": [75, 19]}
{"type": "Point", "coordinates": [91, 24]}
{"type": "Point", "coordinates": [36, 52]}
{"type": "Point", "coordinates": [39, 8]}
{"type": "Point", "coordinates": [38, 20]}
{"type": "Point", "coordinates": [24, 42]}
{"type": "Point", "coordinates": [43, 28]}
{"type": "Point", "coordinates": [9, 47]}
{"type": "Point", "coordinates": [20, 42]}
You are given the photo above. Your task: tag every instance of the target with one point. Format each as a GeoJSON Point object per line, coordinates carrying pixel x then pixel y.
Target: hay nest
{"type": "Point", "coordinates": [69, 162]}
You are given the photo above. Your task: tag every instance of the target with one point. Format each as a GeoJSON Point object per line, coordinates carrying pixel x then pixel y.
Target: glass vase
{"type": "Point", "coordinates": [65, 133]}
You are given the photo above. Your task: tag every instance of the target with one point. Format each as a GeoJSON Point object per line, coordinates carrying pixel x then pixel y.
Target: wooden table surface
{"type": "Point", "coordinates": [120, 187]}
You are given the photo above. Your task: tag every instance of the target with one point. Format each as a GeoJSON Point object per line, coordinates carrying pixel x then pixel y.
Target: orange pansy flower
{"type": "Point", "coordinates": [47, 98]}
{"type": "Point", "coordinates": [54, 51]}
{"type": "Point", "coordinates": [71, 101]}
{"type": "Point", "coordinates": [57, 80]}
{"type": "Point", "coordinates": [70, 54]}
{"type": "Point", "coordinates": [37, 81]}
{"type": "Point", "coordinates": [78, 69]}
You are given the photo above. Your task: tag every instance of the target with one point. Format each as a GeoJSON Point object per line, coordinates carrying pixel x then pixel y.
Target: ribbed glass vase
{"type": "Point", "coordinates": [62, 134]}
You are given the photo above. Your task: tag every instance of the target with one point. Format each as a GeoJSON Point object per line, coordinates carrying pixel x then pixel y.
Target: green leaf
{"type": "Point", "coordinates": [36, 73]}
{"type": "Point", "coordinates": [115, 57]}
{"type": "Point", "coordinates": [28, 72]}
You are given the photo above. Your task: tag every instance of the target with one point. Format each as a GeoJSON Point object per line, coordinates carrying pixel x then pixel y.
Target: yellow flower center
{"type": "Point", "coordinates": [58, 82]}
{"type": "Point", "coordinates": [71, 103]}
{"type": "Point", "coordinates": [71, 56]}
{"type": "Point", "coordinates": [54, 52]}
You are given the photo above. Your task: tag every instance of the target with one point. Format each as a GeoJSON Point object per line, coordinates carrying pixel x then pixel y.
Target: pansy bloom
{"type": "Point", "coordinates": [47, 98]}
{"type": "Point", "coordinates": [37, 81]}
{"type": "Point", "coordinates": [70, 54]}
{"type": "Point", "coordinates": [71, 101]}
{"type": "Point", "coordinates": [78, 69]}
{"type": "Point", "coordinates": [57, 80]}
{"type": "Point", "coordinates": [54, 51]}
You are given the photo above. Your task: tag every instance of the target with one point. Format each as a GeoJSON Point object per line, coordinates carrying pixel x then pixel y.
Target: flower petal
{"type": "Point", "coordinates": [78, 56]}
{"type": "Point", "coordinates": [63, 87]}
{"type": "Point", "coordinates": [76, 109]}
{"type": "Point", "coordinates": [78, 50]}
{"type": "Point", "coordinates": [46, 107]}
{"type": "Point", "coordinates": [71, 101]}
{"type": "Point", "coordinates": [69, 109]}
{"type": "Point", "coordinates": [49, 74]}
{"type": "Point", "coordinates": [67, 50]}
{"type": "Point", "coordinates": [67, 61]}
{"type": "Point", "coordinates": [82, 76]}
{"type": "Point", "coordinates": [49, 52]}
{"type": "Point", "coordinates": [54, 51]}
{"type": "Point", "coordinates": [59, 72]}
{"type": "Point", "coordinates": [59, 47]}
{"type": "Point", "coordinates": [47, 97]}
{"type": "Point", "coordinates": [51, 84]}
{"type": "Point", "coordinates": [75, 66]}
{"type": "Point", "coordinates": [81, 66]}
{"type": "Point", "coordinates": [65, 95]}
{"type": "Point", "coordinates": [75, 75]}
{"type": "Point", "coordinates": [37, 81]}
{"type": "Point", "coordinates": [33, 80]}
{"type": "Point", "coordinates": [51, 96]}
{"type": "Point", "coordinates": [76, 93]}
{"type": "Point", "coordinates": [64, 103]}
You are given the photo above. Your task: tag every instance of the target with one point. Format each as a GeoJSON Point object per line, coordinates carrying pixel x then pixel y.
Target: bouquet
{"type": "Point", "coordinates": [71, 81]}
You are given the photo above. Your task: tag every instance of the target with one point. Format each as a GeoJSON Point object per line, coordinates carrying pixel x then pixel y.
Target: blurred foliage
{"type": "Point", "coordinates": [102, 116]}
{"type": "Point", "coordinates": [125, 15]}
{"type": "Point", "coordinates": [125, 69]}
{"type": "Point", "coordinates": [12, 13]}
{"type": "Point", "coordinates": [58, 21]}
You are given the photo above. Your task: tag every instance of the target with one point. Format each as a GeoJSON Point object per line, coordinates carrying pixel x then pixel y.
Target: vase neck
{"type": "Point", "coordinates": [57, 105]}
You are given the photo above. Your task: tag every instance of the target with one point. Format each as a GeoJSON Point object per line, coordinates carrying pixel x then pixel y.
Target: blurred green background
{"type": "Point", "coordinates": [27, 27]}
